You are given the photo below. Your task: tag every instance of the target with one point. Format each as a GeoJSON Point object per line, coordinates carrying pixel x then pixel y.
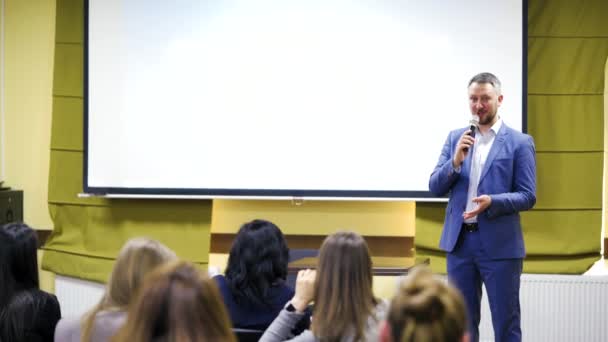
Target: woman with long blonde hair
{"type": "Point", "coordinates": [136, 259]}
{"type": "Point", "coordinates": [178, 303]}
{"type": "Point", "coordinates": [345, 308]}
{"type": "Point", "coordinates": [426, 309]}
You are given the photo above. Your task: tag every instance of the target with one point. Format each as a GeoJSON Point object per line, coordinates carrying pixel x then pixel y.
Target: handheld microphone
{"type": "Point", "coordinates": [473, 126]}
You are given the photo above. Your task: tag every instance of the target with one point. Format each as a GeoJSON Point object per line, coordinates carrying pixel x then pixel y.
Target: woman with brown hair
{"type": "Point", "coordinates": [178, 303]}
{"type": "Point", "coordinates": [425, 309]}
{"type": "Point", "coordinates": [345, 308]}
{"type": "Point", "coordinates": [137, 257]}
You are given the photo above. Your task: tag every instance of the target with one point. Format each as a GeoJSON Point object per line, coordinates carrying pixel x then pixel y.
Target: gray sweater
{"type": "Point", "coordinates": [106, 325]}
{"type": "Point", "coordinates": [281, 327]}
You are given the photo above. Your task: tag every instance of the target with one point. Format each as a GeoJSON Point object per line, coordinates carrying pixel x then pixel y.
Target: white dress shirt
{"type": "Point", "coordinates": [481, 149]}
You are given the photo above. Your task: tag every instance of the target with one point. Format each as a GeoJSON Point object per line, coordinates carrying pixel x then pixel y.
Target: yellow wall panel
{"type": "Point", "coordinates": [373, 218]}
{"type": "Point", "coordinates": [429, 224]}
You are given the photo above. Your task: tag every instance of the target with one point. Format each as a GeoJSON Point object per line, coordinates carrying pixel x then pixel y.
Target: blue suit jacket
{"type": "Point", "coordinates": [508, 176]}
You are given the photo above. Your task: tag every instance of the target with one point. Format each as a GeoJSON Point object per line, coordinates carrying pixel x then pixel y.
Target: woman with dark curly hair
{"type": "Point", "coordinates": [254, 288]}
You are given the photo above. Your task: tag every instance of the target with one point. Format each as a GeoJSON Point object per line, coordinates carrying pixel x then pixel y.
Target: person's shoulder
{"type": "Point", "coordinates": [518, 137]}
{"type": "Point", "coordinates": [458, 131]}
{"type": "Point", "coordinates": [381, 309]}
{"type": "Point", "coordinates": [221, 282]}
{"type": "Point", "coordinates": [284, 288]}
{"type": "Point", "coordinates": [455, 134]}
{"type": "Point", "coordinates": [67, 328]}
{"type": "Point", "coordinates": [43, 295]}
{"type": "Point", "coordinates": [225, 292]}
{"type": "Point", "coordinates": [305, 336]}
{"type": "Point", "coordinates": [282, 293]}
{"type": "Point", "coordinates": [110, 317]}
{"type": "Point", "coordinates": [107, 323]}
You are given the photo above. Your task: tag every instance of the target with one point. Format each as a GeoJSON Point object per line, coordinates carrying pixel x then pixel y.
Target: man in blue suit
{"type": "Point", "coordinates": [490, 176]}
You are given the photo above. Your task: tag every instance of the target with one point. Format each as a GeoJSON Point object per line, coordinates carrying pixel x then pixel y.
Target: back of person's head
{"type": "Point", "coordinates": [18, 260]}
{"type": "Point", "coordinates": [343, 288]}
{"type": "Point", "coordinates": [178, 303]}
{"type": "Point", "coordinates": [135, 260]}
{"type": "Point", "coordinates": [258, 260]}
{"type": "Point", "coordinates": [426, 309]}
{"type": "Point", "coordinates": [19, 319]}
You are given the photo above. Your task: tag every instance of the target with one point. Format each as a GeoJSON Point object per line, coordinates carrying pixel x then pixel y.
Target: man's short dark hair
{"type": "Point", "coordinates": [486, 77]}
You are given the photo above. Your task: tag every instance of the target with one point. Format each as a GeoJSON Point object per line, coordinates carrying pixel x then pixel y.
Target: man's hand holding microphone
{"type": "Point", "coordinates": [466, 142]}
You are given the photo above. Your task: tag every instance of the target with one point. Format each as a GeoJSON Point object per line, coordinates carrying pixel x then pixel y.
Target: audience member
{"type": "Point", "coordinates": [254, 288]}
{"type": "Point", "coordinates": [26, 312]}
{"type": "Point", "coordinates": [137, 257]}
{"type": "Point", "coordinates": [345, 308]}
{"type": "Point", "coordinates": [426, 309]}
{"type": "Point", "coordinates": [178, 303]}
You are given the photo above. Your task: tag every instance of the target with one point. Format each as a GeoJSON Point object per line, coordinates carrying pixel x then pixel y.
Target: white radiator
{"type": "Point", "coordinates": [558, 308]}
{"type": "Point", "coordinates": [77, 296]}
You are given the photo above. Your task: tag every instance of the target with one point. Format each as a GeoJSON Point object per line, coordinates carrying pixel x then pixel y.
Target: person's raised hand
{"type": "Point", "coordinates": [305, 289]}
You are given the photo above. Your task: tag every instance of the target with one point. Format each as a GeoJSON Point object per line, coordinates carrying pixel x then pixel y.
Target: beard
{"type": "Point", "coordinates": [487, 118]}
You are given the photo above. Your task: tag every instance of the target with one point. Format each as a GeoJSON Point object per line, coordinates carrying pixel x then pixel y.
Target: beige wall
{"type": "Point", "coordinates": [605, 192]}
{"type": "Point", "coordinates": [29, 36]}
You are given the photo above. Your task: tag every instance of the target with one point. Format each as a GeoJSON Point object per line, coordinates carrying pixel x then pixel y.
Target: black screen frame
{"type": "Point", "coordinates": [270, 193]}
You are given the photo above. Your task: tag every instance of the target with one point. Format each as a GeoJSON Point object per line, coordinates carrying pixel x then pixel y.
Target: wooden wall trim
{"type": "Point", "coordinates": [384, 246]}
{"type": "Point", "coordinates": [606, 248]}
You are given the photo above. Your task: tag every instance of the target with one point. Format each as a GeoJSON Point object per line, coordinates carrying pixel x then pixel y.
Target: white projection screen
{"type": "Point", "coordinates": [279, 98]}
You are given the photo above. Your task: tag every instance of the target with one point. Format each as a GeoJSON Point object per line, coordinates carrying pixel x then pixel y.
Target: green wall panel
{"type": "Point", "coordinates": [100, 231]}
{"type": "Point", "coordinates": [563, 232]}
{"type": "Point", "coordinates": [566, 66]}
{"type": "Point", "coordinates": [91, 235]}
{"type": "Point", "coordinates": [566, 123]}
{"type": "Point", "coordinates": [575, 264]}
{"type": "Point", "coordinates": [436, 258]}
{"type": "Point", "coordinates": [65, 179]}
{"type": "Point", "coordinates": [546, 232]}
{"type": "Point", "coordinates": [578, 264]}
{"type": "Point", "coordinates": [69, 24]}
{"type": "Point", "coordinates": [67, 124]}
{"type": "Point", "coordinates": [567, 18]}
{"type": "Point", "coordinates": [569, 180]}
{"type": "Point", "coordinates": [68, 70]}
{"type": "Point", "coordinates": [82, 266]}
{"type": "Point", "coordinates": [429, 223]}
